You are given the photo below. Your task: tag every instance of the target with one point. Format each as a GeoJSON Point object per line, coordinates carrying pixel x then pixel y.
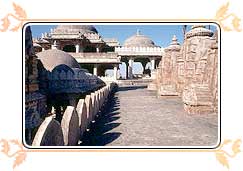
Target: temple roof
{"type": "Point", "coordinates": [139, 40]}
{"type": "Point", "coordinates": [111, 42]}
{"type": "Point", "coordinates": [75, 28]}
{"type": "Point", "coordinates": [53, 57]}
{"type": "Point", "coordinates": [174, 45]}
{"type": "Point", "coordinates": [199, 30]}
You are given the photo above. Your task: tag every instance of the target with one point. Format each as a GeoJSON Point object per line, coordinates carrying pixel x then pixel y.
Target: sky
{"type": "Point", "coordinates": [160, 34]}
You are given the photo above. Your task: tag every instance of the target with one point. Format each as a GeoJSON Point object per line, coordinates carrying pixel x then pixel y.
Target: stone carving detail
{"type": "Point", "coordinates": [49, 133]}
{"type": "Point", "coordinates": [88, 103]}
{"type": "Point", "coordinates": [197, 98]}
{"type": "Point", "coordinates": [93, 97]}
{"type": "Point", "coordinates": [191, 71]}
{"type": "Point", "coordinates": [70, 126]}
{"type": "Point", "coordinates": [82, 114]}
{"type": "Point", "coordinates": [168, 69]}
{"type": "Point", "coordinates": [75, 121]}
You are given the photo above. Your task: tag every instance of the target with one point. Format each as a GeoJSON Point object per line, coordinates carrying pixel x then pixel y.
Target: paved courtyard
{"type": "Point", "coordinates": [136, 117]}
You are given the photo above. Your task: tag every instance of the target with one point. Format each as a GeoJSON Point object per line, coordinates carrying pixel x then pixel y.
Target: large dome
{"type": "Point", "coordinates": [76, 28]}
{"type": "Point", "coordinates": [139, 40]}
{"type": "Point", "coordinates": [53, 57]}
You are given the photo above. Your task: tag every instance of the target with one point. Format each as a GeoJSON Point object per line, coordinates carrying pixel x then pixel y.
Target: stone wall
{"type": "Point", "coordinates": [34, 101]}
{"type": "Point", "coordinates": [191, 71]}
{"type": "Point", "coordinates": [75, 121]}
{"type": "Point", "coordinates": [168, 70]}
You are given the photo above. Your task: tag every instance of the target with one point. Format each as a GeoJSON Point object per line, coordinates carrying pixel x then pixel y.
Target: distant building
{"type": "Point", "coordinates": [97, 54]}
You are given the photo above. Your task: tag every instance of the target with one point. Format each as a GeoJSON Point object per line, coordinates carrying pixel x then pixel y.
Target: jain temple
{"type": "Point", "coordinates": [68, 94]}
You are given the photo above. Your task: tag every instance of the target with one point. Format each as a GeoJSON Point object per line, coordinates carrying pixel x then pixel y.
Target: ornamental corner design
{"type": "Point", "coordinates": [223, 156]}
{"type": "Point", "coordinates": [13, 21]}
{"type": "Point", "coordinates": [223, 17]}
{"type": "Point", "coordinates": [12, 154]}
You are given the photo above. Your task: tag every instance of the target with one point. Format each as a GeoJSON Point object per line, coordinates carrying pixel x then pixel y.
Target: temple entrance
{"type": "Point", "coordinates": [69, 48]}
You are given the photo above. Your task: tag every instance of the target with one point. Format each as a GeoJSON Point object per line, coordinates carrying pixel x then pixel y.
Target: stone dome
{"type": "Point", "coordinates": [199, 30]}
{"type": "Point", "coordinates": [53, 57]}
{"type": "Point", "coordinates": [139, 40]}
{"type": "Point", "coordinates": [76, 28]}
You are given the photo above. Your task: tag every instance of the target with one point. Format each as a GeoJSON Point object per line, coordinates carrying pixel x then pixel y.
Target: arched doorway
{"type": "Point", "coordinates": [69, 48]}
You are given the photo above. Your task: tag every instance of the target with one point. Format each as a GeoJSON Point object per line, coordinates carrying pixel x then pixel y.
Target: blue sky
{"type": "Point", "coordinates": [160, 34]}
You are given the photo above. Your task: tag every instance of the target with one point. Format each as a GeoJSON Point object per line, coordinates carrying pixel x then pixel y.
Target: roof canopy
{"type": "Point", "coordinates": [75, 29]}
{"type": "Point", "coordinates": [139, 40]}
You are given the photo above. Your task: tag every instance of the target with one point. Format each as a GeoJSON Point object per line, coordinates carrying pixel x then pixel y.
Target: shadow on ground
{"type": "Point", "coordinates": [100, 132]}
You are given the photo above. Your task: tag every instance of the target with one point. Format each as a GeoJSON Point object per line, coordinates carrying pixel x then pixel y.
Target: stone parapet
{"type": "Point", "coordinates": [139, 51]}
{"type": "Point", "coordinates": [98, 57]}
{"type": "Point", "coordinates": [75, 120]}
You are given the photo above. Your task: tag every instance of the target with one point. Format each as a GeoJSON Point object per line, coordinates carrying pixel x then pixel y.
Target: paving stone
{"type": "Point", "coordinates": [136, 117]}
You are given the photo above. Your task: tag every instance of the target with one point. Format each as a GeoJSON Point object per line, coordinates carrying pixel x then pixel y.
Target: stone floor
{"type": "Point", "coordinates": [136, 117]}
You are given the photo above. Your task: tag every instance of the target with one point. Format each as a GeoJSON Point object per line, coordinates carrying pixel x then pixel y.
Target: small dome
{"type": "Point", "coordinates": [76, 28]}
{"type": "Point", "coordinates": [139, 40]}
{"type": "Point", "coordinates": [174, 45]}
{"type": "Point", "coordinates": [53, 57]}
{"type": "Point", "coordinates": [199, 30]}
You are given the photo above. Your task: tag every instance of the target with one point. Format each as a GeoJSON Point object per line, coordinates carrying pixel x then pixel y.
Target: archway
{"type": "Point", "coordinates": [69, 48]}
{"type": "Point", "coordinates": [90, 49]}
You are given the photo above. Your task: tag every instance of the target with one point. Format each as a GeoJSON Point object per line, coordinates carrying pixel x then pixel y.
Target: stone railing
{"type": "Point", "coordinates": [131, 51]}
{"type": "Point", "coordinates": [98, 55]}
{"type": "Point", "coordinates": [75, 121]}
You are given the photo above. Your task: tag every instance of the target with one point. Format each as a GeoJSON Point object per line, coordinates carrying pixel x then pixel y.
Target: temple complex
{"type": "Point", "coordinates": [83, 43]}
{"type": "Point", "coordinates": [70, 100]}
{"type": "Point", "coordinates": [97, 54]}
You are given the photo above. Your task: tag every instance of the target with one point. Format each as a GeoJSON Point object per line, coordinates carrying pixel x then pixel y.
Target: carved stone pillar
{"type": "Point", "coordinates": [77, 46]}
{"type": "Point", "coordinates": [95, 69]}
{"type": "Point", "coordinates": [97, 49]}
{"type": "Point", "coordinates": [130, 74]}
{"type": "Point", "coordinates": [152, 64]}
{"type": "Point", "coordinates": [115, 72]}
